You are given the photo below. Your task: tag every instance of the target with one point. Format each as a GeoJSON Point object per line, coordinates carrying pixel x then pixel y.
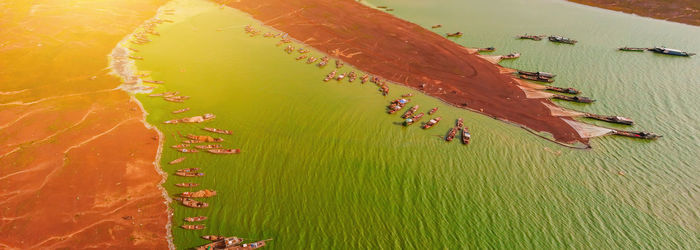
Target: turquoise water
{"type": "Point", "coordinates": [323, 166]}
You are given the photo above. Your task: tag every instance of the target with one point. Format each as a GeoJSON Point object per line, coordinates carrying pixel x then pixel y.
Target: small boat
{"type": "Point", "coordinates": [456, 34]}
{"type": "Point", "coordinates": [303, 51]}
{"type": "Point", "coordinates": [352, 76]}
{"type": "Point", "coordinates": [340, 77]}
{"type": "Point", "coordinates": [413, 119]}
{"type": "Point", "coordinates": [208, 146]}
{"type": "Point", "coordinates": [539, 73]}
{"type": "Point", "coordinates": [193, 227]}
{"type": "Point", "coordinates": [219, 131]}
{"type": "Point", "coordinates": [204, 138]}
{"type": "Point", "coordinates": [330, 76]}
{"type": "Point", "coordinates": [188, 170]}
{"type": "Point", "coordinates": [153, 81]}
{"type": "Point", "coordinates": [637, 134]}
{"type": "Point", "coordinates": [176, 161]}
{"type": "Point", "coordinates": [579, 99]}
{"type": "Point", "coordinates": [189, 174]}
{"type": "Point", "coordinates": [181, 110]}
{"type": "Point", "coordinates": [171, 99]}
{"type": "Point", "coordinates": [537, 78]}
{"type": "Point", "coordinates": [410, 112]}
{"type": "Point", "coordinates": [488, 49]}
{"type": "Point", "coordinates": [511, 56]}
{"type": "Point", "coordinates": [195, 219]}
{"type": "Point", "coordinates": [673, 52]}
{"type": "Point", "coordinates": [382, 7]}
{"type": "Point", "coordinates": [339, 64]}
{"type": "Point", "coordinates": [466, 136]}
{"type": "Point", "coordinates": [432, 122]}
{"type": "Point", "coordinates": [397, 105]}
{"type": "Point", "coordinates": [572, 91]}
{"type": "Point", "coordinates": [451, 134]}
{"type": "Point", "coordinates": [632, 49]}
{"type": "Point", "coordinates": [324, 61]}
{"type": "Point", "coordinates": [180, 146]}
{"type": "Point", "coordinates": [389, 9]}
{"type": "Point", "coordinates": [559, 39]}
{"type": "Point", "coordinates": [193, 203]}
{"type": "Point", "coordinates": [199, 194]}
{"type": "Point", "coordinates": [311, 60]}
{"type": "Point", "coordinates": [437, 26]}
{"type": "Point", "coordinates": [187, 184]}
{"type": "Point", "coordinates": [225, 243]}
{"type": "Point", "coordinates": [531, 37]}
{"type": "Point", "coordinates": [188, 150]}
{"type": "Point", "coordinates": [364, 79]}
{"type": "Point", "coordinates": [300, 57]}
{"type": "Point", "coordinates": [432, 111]}
{"type": "Point", "coordinates": [254, 245]}
{"type": "Point", "coordinates": [460, 123]}
{"type": "Point", "coordinates": [407, 95]}
{"type": "Point", "coordinates": [136, 57]}
{"type": "Point", "coordinates": [192, 141]}
{"type": "Point", "coordinates": [224, 151]}
{"type": "Point", "coordinates": [613, 119]}
{"type": "Point", "coordinates": [213, 237]}
{"type": "Point", "coordinates": [384, 89]}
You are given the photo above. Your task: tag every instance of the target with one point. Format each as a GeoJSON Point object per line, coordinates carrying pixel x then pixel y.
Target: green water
{"type": "Point", "coordinates": [324, 167]}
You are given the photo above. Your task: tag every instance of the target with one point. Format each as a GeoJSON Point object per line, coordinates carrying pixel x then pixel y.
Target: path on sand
{"type": "Point", "coordinates": [403, 52]}
{"type": "Point", "coordinates": [76, 160]}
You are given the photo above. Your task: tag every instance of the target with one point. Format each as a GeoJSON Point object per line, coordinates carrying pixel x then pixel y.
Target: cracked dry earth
{"type": "Point", "coordinates": [76, 160]}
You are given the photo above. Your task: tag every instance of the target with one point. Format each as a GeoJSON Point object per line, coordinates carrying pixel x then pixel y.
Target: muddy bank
{"type": "Point", "coordinates": [70, 178]}
{"type": "Point", "coordinates": [403, 52]}
{"type": "Point", "coordinates": [680, 11]}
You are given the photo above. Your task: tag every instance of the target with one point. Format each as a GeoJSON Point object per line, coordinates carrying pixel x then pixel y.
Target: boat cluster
{"type": "Point", "coordinates": [556, 39]}
{"type": "Point", "coordinates": [410, 117]}
{"type": "Point", "coordinates": [660, 50]}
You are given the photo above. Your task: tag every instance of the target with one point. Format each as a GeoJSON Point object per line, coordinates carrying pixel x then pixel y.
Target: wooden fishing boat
{"type": "Point", "coordinates": [187, 170]}
{"type": "Point", "coordinates": [324, 61]}
{"type": "Point", "coordinates": [572, 91]}
{"type": "Point", "coordinates": [456, 34]}
{"type": "Point", "coordinates": [410, 112]}
{"type": "Point", "coordinates": [613, 119]}
{"type": "Point", "coordinates": [188, 150]}
{"type": "Point", "coordinates": [180, 146]}
{"type": "Point", "coordinates": [340, 77]}
{"type": "Point", "coordinates": [153, 81]}
{"type": "Point", "coordinates": [531, 37]}
{"type": "Point", "coordinates": [213, 237]}
{"type": "Point", "coordinates": [209, 146]}
{"type": "Point", "coordinates": [488, 49]}
{"type": "Point", "coordinates": [188, 174]}
{"type": "Point", "coordinates": [176, 100]}
{"type": "Point", "coordinates": [413, 119]}
{"type": "Point", "coordinates": [637, 134]}
{"type": "Point", "coordinates": [193, 203]}
{"type": "Point", "coordinates": [559, 39]}
{"type": "Point", "coordinates": [311, 60]}
{"type": "Point", "coordinates": [205, 193]}
{"type": "Point", "coordinates": [632, 49]}
{"type": "Point", "coordinates": [460, 123]}
{"type": "Point", "coordinates": [511, 56]}
{"type": "Point", "coordinates": [538, 74]}
{"type": "Point", "coordinates": [254, 245]}
{"type": "Point", "coordinates": [136, 57]}
{"type": "Point", "coordinates": [673, 52]}
{"type": "Point", "coordinates": [187, 184]}
{"type": "Point", "coordinates": [204, 138]}
{"type": "Point", "coordinates": [181, 111]}
{"type": "Point", "coordinates": [436, 26]}
{"type": "Point", "coordinates": [407, 95]}
{"type": "Point", "coordinates": [224, 151]}
{"type": "Point", "coordinates": [364, 78]}
{"type": "Point", "coordinates": [193, 227]}
{"type": "Point", "coordinates": [579, 99]}
{"type": "Point", "coordinates": [432, 122]}
{"type": "Point", "coordinates": [432, 111]}
{"type": "Point", "coordinates": [330, 76]}
{"type": "Point", "coordinates": [537, 78]}
{"type": "Point", "coordinates": [228, 243]}
{"type": "Point", "coordinates": [352, 76]}
{"type": "Point", "coordinates": [303, 51]}
{"type": "Point", "coordinates": [466, 136]}
{"type": "Point", "coordinates": [192, 141]}
{"type": "Point", "coordinates": [218, 131]}
{"type": "Point", "coordinates": [195, 219]}
{"type": "Point", "coordinates": [300, 57]}
{"type": "Point", "coordinates": [176, 161]}
{"type": "Point", "coordinates": [451, 134]}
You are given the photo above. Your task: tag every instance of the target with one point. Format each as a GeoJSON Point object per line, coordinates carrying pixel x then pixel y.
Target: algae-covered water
{"type": "Point", "coordinates": [323, 166]}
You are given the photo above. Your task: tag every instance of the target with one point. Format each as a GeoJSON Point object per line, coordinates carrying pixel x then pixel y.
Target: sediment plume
{"type": "Point", "coordinates": [405, 53]}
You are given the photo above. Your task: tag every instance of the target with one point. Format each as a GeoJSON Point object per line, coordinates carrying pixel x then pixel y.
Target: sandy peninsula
{"type": "Point", "coordinates": [76, 160]}
{"type": "Point", "coordinates": [402, 52]}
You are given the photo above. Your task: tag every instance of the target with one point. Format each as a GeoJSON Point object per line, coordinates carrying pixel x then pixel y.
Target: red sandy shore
{"type": "Point", "coordinates": [681, 11]}
{"type": "Point", "coordinates": [403, 52]}
{"type": "Point", "coordinates": [76, 160]}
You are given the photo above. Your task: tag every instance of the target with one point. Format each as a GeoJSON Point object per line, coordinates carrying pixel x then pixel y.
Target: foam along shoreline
{"type": "Point", "coordinates": [477, 83]}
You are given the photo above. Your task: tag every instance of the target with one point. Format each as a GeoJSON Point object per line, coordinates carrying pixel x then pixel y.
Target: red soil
{"type": "Point", "coordinates": [681, 11]}
{"type": "Point", "coordinates": [403, 52]}
{"type": "Point", "coordinates": [76, 161]}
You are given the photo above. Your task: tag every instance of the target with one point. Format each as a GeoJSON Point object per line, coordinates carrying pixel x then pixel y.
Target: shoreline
{"type": "Point", "coordinates": [678, 11]}
{"type": "Point", "coordinates": [453, 74]}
